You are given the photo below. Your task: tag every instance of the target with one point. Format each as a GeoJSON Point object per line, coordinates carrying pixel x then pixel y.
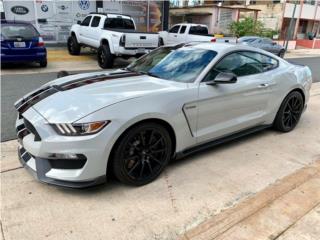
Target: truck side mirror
{"type": "Point", "coordinates": [79, 22]}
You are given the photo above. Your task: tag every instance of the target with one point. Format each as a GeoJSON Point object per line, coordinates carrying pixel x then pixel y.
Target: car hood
{"type": "Point", "coordinates": [80, 95]}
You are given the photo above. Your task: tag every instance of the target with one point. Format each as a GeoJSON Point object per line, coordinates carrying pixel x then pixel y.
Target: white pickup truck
{"type": "Point", "coordinates": [112, 35]}
{"type": "Point", "coordinates": [186, 32]}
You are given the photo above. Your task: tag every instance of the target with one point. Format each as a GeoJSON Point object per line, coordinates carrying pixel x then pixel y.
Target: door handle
{"type": "Point", "coordinates": [263, 85]}
{"type": "Point", "coordinates": [175, 35]}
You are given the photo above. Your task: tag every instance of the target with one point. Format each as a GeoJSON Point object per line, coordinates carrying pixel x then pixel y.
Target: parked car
{"type": "Point", "coordinates": [190, 32]}
{"type": "Point", "coordinates": [21, 42]}
{"type": "Point", "coordinates": [112, 35]}
{"type": "Point", "coordinates": [186, 32]}
{"type": "Point", "coordinates": [264, 43]}
{"type": "Point", "coordinates": [76, 130]}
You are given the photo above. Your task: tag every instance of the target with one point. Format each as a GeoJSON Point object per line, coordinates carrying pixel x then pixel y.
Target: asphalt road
{"type": "Point", "coordinates": [16, 85]}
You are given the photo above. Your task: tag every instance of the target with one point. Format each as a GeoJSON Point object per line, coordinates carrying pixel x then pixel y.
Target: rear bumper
{"type": "Point", "coordinates": [22, 58]}
{"type": "Point", "coordinates": [7, 57]}
{"type": "Point", "coordinates": [132, 51]}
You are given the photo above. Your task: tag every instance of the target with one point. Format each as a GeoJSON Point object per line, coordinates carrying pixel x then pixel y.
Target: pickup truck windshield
{"type": "Point", "coordinates": [181, 65]}
{"type": "Point", "coordinates": [119, 23]}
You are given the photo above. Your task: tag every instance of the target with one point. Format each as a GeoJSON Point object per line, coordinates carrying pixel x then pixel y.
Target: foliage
{"type": "Point", "coordinates": [247, 27]}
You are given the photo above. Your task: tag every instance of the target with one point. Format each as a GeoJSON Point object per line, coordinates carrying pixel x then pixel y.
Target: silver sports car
{"type": "Point", "coordinates": [176, 100]}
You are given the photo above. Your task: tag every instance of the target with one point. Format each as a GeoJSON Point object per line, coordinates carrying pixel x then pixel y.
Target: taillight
{"type": "Point", "coordinates": [213, 40]}
{"type": "Point", "coordinates": [40, 42]}
{"type": "Point", "coordinates": [122, 40]}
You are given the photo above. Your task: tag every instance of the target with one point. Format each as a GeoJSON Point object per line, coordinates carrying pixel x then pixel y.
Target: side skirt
{"type": "Point", "coordinates": [219, 141]}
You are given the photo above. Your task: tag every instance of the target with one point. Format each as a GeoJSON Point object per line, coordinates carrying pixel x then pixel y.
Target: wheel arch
{"type": "Point", "coordinates": [106, 41]}
{"type": "Point", "coordinates": [159, 121]}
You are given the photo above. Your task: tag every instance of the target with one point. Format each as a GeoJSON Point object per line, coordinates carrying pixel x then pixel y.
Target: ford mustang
{"type": "Point", "coordinates": [77, 130]}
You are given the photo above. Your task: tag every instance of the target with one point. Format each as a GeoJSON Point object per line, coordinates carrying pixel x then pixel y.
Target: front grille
{"type": "Point", "coordinates": [25, 129]}
{"type": "Point", "coordinates": [24, 155]}
{"type": "Point", "coordinates": [32, 129]}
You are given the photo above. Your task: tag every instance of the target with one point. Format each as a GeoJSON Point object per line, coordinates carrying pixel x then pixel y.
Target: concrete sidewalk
{"type": "Point", "coordinates": [264, 186]}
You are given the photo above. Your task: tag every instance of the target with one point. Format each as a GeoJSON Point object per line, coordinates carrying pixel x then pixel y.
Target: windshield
{"type": "Point", "coordinates": [181, 65]}
{"type": "Point", "coordinates": [15, 31]}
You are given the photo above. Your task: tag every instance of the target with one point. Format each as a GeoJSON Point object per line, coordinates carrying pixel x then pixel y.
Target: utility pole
{"type": "Point", "coordinates": [289, 32]}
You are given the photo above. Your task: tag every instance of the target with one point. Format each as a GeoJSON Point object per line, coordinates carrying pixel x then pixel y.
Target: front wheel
{"type": "Point", "coordinates": [289, 113]}
{"type": "Point", "coordinates": [74, 47]}
{"type": "Point", "coordinates": [141, 154]}
{"type": "Point", "coordinates": [105, 57]}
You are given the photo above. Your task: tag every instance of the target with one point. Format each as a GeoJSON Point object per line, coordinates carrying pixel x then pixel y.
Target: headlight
{"type": "Point", "coordinates": [78, 129]}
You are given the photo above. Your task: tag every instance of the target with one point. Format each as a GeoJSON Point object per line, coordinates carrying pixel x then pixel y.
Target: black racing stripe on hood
{"type": "Point", "coordinates": [35, 97]}
{"type": "Point", "coordinates": [82, 82]}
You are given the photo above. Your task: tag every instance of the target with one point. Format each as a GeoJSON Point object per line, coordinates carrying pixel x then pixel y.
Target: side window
{"type": "Point", "coordinates": [86, 21]}
{"type": "Point", "coordinates": [183, 29]}
{"type": "Point", "coordinates": [174, 29]}
{"type": "Point", "coordinates": [239, 63]}
{"type": "Point", "coordinates": [95, 21]}
{"type": "Point", "coordinates": [267, 63]}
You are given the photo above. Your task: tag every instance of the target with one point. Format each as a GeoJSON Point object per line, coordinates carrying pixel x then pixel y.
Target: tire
{"type": "Point", "coordinates": [281, 53]}
{"type": "Point", "coordinates": [289, 112]}
{"type": "Point", "coordinates": [141, 154]}
{"type": "Point", "coordinates": [43, 63]}
{"type": "Point", "coordinates": [105, 58]}
{"type": "Point", "coordinates": [74, 47]}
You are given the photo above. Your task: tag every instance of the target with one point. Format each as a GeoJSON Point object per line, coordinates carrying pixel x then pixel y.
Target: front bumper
{"type": "Point", "coordinates": [38, 167]}
{"type": "Point", "coordinates": [38, 141]}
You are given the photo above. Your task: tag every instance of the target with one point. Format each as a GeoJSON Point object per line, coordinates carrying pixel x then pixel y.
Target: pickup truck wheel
{"type": "Point", "coordinates": [74, 47]}
{"type": "Point", "coordinates": [105, 58]}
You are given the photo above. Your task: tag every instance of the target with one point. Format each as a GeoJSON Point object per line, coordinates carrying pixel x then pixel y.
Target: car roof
{"type": "Point", "coordinates": [223, 48]}
{"type": "Point", "coordinates": [248, 37]}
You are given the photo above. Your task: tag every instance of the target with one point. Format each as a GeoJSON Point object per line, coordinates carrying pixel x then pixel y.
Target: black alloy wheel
{"type": "Point", "coordinates": [142, 154]}
{"type": "Point", "coordinates": [290, 112]}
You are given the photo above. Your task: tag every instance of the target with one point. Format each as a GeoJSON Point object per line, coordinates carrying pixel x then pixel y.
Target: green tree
{"type": "Point", "coordinates": [246, 27]}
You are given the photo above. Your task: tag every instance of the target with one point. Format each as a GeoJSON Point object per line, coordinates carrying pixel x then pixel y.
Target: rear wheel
{"type": "Point", "coordinates": [141, 154]}
{"type": "Point", "coordinates": [289, 113]}
{"type": "Point", "coordinates": [105, 58]}
{"type": "Point", "coordinates": [74, 47]}
{"type": "Point", "coordinates": [43, 63]}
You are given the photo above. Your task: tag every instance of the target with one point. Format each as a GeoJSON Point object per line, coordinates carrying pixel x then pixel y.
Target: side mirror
{"type": "Point", "coordinates": [274, 43]}
{"type": "Point", "coordinates": [79, 22]}
{"type": "Point", "coordinates": [223, 78]}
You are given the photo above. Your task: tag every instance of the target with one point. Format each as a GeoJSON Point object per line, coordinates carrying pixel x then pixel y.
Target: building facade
{"type": "Point", "coordinates": [54, 18]}
{"type": "Point", "coordinates": [220, 13]}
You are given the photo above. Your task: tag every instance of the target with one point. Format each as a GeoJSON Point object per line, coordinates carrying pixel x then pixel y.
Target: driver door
{"type": "Point", "coordinates": [228, 108]}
